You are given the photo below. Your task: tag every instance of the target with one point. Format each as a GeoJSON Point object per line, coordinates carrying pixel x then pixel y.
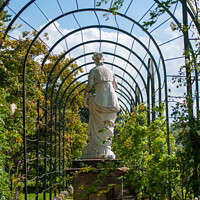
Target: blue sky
{"type": "Point", "coordinates": [50, 8]}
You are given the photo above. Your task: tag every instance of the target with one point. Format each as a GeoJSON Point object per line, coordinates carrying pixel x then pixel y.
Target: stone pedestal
{"type": "Point", "coordinates": [87, 184]}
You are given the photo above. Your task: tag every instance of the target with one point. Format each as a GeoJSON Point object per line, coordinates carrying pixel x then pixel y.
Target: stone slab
{"type": "Point", "coordinates": [92, 162]}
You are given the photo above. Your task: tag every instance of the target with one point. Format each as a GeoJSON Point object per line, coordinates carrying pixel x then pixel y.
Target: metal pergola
{"type": "Point", "coordinates": [137, 56]}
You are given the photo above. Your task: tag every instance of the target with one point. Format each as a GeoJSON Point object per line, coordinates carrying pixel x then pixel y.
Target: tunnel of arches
{"type": "Point", "coordinates": [134, 54]}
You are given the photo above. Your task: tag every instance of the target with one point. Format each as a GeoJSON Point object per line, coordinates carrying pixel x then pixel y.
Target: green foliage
{"type": "Point", "coordinates": [184, 163]}
{"type": "Point", "coordinates": [102, 171]}
{"type": "Point", "coordinates": [152, 164]}
{"type": "Point", "coordinates": [12, 56]}
{"type": "Point", "coordinates": [140, 147]}
{"type": "Point", "coordinates": [186, 126]}
{"type": "Point", "coordinates": [3, 15]}
{"type": "Point", "coordinates": [160, 9]}
{"type": "Point", "coordinates": [4, 147]}
{"type": "Point", "coordinates": [187, 165]}
{"type": "Point", "coordinates": [116, 5]}
{"type": "Point", "coordinates": [144, 150]}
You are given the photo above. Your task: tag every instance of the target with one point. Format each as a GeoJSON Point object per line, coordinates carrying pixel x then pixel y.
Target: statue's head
{"type": "Point", "coordinates": [98, 58]}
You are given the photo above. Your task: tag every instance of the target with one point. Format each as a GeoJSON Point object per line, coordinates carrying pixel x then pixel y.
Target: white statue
{"type": "Point", "coordinates": [103, 107]}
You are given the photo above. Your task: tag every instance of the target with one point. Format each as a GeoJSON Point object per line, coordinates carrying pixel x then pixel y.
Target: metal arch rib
{"type": "Point", "coordinates": [15, 18]}
{"type": "Point", "coordinates": [73, 71]}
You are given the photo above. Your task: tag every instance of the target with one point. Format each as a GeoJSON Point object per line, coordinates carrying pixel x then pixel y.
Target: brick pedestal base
{"type": "Point", "coordinates": [87, 185]}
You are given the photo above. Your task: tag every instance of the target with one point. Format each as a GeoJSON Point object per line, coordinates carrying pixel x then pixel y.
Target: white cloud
{"type": "Point", "coordinates": [16, 33]}
{"type": "Point", "coordinates": [170, 50]}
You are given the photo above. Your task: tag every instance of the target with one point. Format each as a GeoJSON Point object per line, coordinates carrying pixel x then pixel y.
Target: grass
{"type": "Point", "coordinates": [40, 196]}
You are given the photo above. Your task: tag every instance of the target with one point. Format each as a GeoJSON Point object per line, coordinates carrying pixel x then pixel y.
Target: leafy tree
{"type": "Point", "coordinates": [12, 55]}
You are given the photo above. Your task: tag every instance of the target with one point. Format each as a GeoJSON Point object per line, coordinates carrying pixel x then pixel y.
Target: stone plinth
{"type": "Point", "coordinates": [92, 180]}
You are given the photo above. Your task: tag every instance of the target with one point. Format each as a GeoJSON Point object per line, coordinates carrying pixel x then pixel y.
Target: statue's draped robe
{"type": "Point", "coordinates": [103, 107]}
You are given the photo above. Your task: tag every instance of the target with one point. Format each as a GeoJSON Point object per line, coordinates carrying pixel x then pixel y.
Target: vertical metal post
{"type": "Point", "coordinates": [45, 148]}
{"type": "Point", "coordinates": [168, 139]}
{"type": "Point", "coordinates": [151, 69]}
{"type": "Point", "coordinates": [197, 96]}
{"type": "Point", "coordinates": [51, 151]}
{"type": "Point", "coordinates": [148, 97]}
{"type": "Point", "coordinates": [55, 111]}
{"type": "Point", "coordinates": [59, 147]}
{"type": "Point", "coordinates": [195, 187]}
{"type": "Point", "coordinates": [137, 95]}
{"type": "Point", "coordinates": [37, 147]}
{"type": "Point", "coordinates": [187, 60]}
{"type": "Point", "coordinates": [148, 102]}
{"type": "Point", "coordinates": [63, 148]}
{"type": "Point", "coordinates": [24, 131]}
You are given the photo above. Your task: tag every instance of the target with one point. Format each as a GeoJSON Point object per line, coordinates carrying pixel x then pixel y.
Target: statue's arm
{"type": "Point", "coordinates": [87, 89]}
{"type": "Point", "coordinates": [115, 86]}
{"type": "Point", "coordinates": [90, 83]}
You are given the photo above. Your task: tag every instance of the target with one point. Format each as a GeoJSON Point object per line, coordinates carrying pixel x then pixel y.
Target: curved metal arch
{"type": "Point", "coordinates": [127, 84]}
{"type": "Point", "coordinates": [73, 71]}
{"type": "Point", "coordinates": [175, 19]}
{"type": "Point", "coordinates": [100, 26]}
{"type": "Point", "coordinates": [89, 64]}
{"type": "Point", "coordinates": [119, 100]}
{"type": "Point", "coordinates": [93, 63]}
{"type": "Point", "coordinates": [101, 41]}
{"type": "Point", "coordinates": [105, 62]}
{"type": "Point", "coordinates": [91, 41]}
{"type": "Point", "coordinates": [72, 89]}
{"type": "Point", "coordinates": [70, 95]}
{"type": "Point", "coordinates": [131, 35]}
{"type": "Point", "coordinates": [4, 5]}
{"type": "Point", "coordinates": [122, 16]}
{"type": "Point", "coordinates": [81, 10]}
{"type": "Point", "coordinates": [131, 100]}
{"type": "Point", "coordinates": [91, 9]}
{"type": "Point", "coordinates": [98, 41]}
{"type": "Point", "coordinates": [15, 18]}
{"type": "Point", "coordinates": [125, 97]}
{"type": "Point", "coordinates": [152, 93]}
